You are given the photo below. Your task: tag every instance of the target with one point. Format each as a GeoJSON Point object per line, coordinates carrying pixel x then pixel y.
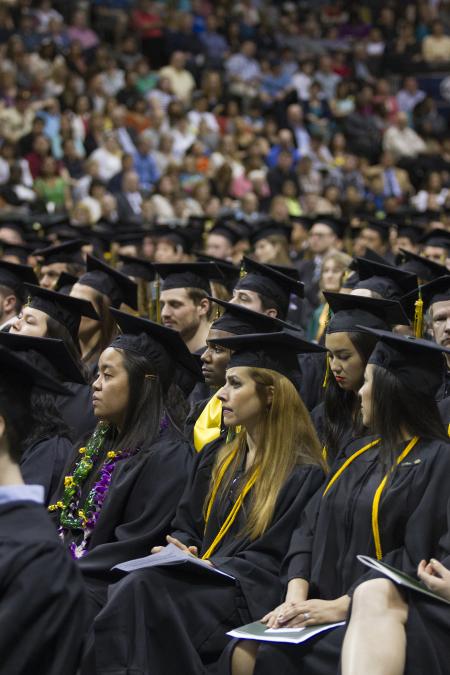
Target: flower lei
{"type": "Point", "coordinates": [72, 517]}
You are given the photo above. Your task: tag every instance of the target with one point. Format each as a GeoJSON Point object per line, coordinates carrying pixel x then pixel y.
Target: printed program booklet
{"type": "Point", "coordinates": [259, 631]}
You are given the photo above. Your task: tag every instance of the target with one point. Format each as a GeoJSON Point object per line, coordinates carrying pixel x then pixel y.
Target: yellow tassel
{"type": "Point", "coordinates": [418, 316]}
{"type": "Point", "coordinates": [242, 272]}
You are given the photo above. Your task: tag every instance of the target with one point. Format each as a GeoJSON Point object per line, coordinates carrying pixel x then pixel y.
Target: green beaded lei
{"type": "Point", "coordinates": [70, 517]}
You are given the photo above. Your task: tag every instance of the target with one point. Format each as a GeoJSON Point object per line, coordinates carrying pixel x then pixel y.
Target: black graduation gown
{"type": "Point", "coordinates": [312, 372]}
{"type": "Point", "coordinates": [136, 515]}
{"type": "Point", "coordinates": [76, 410]}
{"type": "Point", "coordinates": [337, 527]}
{"type": "Point", "coordinates": [43, 463]}
{"type": "Point", "coordinates": [444, 409]}
{"type": "Point", "coordinates": [348, 436]}
{"type": "Point", "coordinates": [172, 620]}
{"type": "Point", "coordinates": [41, 596]}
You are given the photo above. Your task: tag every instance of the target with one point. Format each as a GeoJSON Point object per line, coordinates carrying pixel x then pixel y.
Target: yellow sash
{"type": "Point", "coordinates": [207, 426]}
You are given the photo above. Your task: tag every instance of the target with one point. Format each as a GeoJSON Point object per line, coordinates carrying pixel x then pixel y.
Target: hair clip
{"type": "Point", "coordinates": [149, 376]}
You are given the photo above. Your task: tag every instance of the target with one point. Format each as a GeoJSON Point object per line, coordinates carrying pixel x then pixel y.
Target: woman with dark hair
{"type": "Point", "coordinates": [103, 287]}
{"type": "Point", "coordinates": [338, 418]}
{"type": "Point", "coordinates": [387, 498]}
{"type": "Point", "coordinates": [123, 485]}
{"type": "Point", "coordinates": [54, 315]}
{"type": "Point", "coordinates": [40, 586]}
{"type": "Point", "coordinates": [259, 485]}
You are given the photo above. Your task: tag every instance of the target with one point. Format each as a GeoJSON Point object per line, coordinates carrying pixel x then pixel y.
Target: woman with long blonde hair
{"type": "Point", "coordinates": [260, 485]}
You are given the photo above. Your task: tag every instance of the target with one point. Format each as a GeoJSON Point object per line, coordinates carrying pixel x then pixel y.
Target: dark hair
{"type": "Point", "coordinates": [343, 408]}
{"type": "Point", "coordinates": [45, 419]}
{"type": "Point", "coordinates": [15, 410]}
{"type": "Point", "coordinates": [108, 327]}
{"type": "Point", "coordinates": [57, 331]}
{"type": "Point", "coordinates": [396, 408]}
{"type": "Point", "coordinates": [197, 295]}
{"type": "Point", "coordinates": [269, 303]}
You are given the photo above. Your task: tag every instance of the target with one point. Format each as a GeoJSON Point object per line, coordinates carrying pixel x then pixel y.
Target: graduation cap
{"type": "Point", "coordinates": [240, 320]}
{"type": "Point", "coordinates": [69, 252]}
{"type": "Point", "coordinates": [17, 370]}
{"type": "Point", "coordinates": [137, 267]}
{"type": "Point", "coordinates": [62, 308]}
{"type": "Point", "coordinates": [418, 364]}
{"type": "Point", "coordinates": [437, 290]}
{"type": "Point", "coordinates": [189, 275]}
{"type": "Point", "coordinates": [439, 238]}
{"type": "Point", "coordinates": [266, 281]}
{"type": "Point", "coordinates": [14, 276]}
{"type": "Point", "coordinates": [56, 355]}
{"type": "Point", "coordinates": [410, 229]}
{"type": "Point", "coordinates": [336, 224]}
{"type": "Point", "coordinates": [185, 237]}
{"type": "Point", "coordinates": [133, 238]}
{"type": "Point", "coordinates": [270, 228]}
{"type": "Point", "coordinates": [351, 310]}
{"type": "Point", "coordinates": [227, 229]}
{"type": "Point", "coordinates": [229, 273]}
{"type": "Point", "coordinates": [19, 251]}
{"type": "Point", "coordinates": [116, 286]}
{"type": "Point", "coordinates": [291, 272]}
{"type": "Point", "coordinates": [274, 351]}
{"type": "Point", "coordinates": [423, 268]}
{"type": "Point", "coordinates": [161, 345]}
{"type": "Point", "coordinates": [388, 281]}
{"type": "Point", "coordinates": [382, 227]}
{"type": "Point", "coordinates": [65, 283]}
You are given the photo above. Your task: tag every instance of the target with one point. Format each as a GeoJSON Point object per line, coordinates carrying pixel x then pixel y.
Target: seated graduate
{"type": "Point", "coordinates": [48, 443]}
{"type": "Point", "coordinates": [173, 620]}
{"type": "Point", "coordinates": [378, 280]}
{"type": "Point", "coordinates": [103, 287]}
{"type": "Point", "coordinates": [55, 315]}
{"type": "Point", "coordinates": [387, 499]}
{"type": "Point", "coordinates": [206, 415]}
{"type": "Point", "coordinates": [41, 592]}
{"type": "Point", "coordinates": [122, 487]}
{"type": "Point", "coordinates": [338, 418]}
{"type": "Point", "coordinates": [55, 260]}
{"type": "Point", "coordinates": [412, 628]}
{"type": "Point", "coordinates": [12, 293]}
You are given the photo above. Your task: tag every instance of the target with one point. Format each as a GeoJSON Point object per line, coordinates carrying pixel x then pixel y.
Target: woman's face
{"type": "Point", "coordinates": [30, 322]}
{"type": "Point", "coordinates": [241, 404]}
{"type": "Point", "coordinates": [265, 251]}
{"type": "Point", "coordinates": [111, 389]}
{"type": "Point", "coordinates": [346, 363]}
{"type": "Point", "coordinates": [215, 359]}
{"type": "Point", "coordinates": [87, 326]}
{"type": "Point", "coordinates": [331, 276]}
{"type": "Point", "coordinates": [366, 397]}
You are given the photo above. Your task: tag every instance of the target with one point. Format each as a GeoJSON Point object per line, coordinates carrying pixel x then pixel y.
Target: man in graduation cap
{"type": "Point", "coordinates": [436, 246]}
{"type": "Point", "coordinates": [174, 244]}
{"type": "Point", "coordinates": [12, 292]}
{"type": "Point", "coordinates": [221, 239]}
{"type": "Point", "coordinates": [54, 260]}
{"type": "Point", "coordinates": [375, 235]}
{"type": "Point", "coordinates": [184, 300]}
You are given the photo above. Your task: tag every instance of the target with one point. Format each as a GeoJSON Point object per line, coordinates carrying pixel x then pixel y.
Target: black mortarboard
{"type": "Point", "coordinates": [229, 273]}
{"type": "Point", "coordinates": [15, 369]}
{"type": "Point", "coordinates": [266, 281]}
{"type": "Point", "coordinates": [69, 252]}
{"type": "Point", "coordinates": [269, 228]}
{"type": "Point", "coordinates": [188, 275]}
{"type": "Point", "coordinates": [438, 237]}
{"type": "Point", "coordinates": [163, 346]}
{"type": "Point", "coordinates": [240, 320]}
{"type": "Point", "coordinates": [116, 286]}
{"type": "Point", "coordinates": [62, 308]}
{"type": "Point", "coordinates": [291, 272]}
{"type": "Point", "coordinates": [335, 223]}
{"type": "Point", "coordinates": [137, 267]}
{"type": "Point", "coordinates": [14, 276]}
{"type": "Point", "coordinates": [129, 238]}
{"type": "Point", "coordinates": [65, 283]}
{"type": "Point", "coordinates": [274, 351]}
{"type": "Point", "coordinates": [19, 251]}
{"type": "Point", "coordinates": [388, 281]}
{"type": "Point", "coordinates": [185, 237]}
{"type": "Point", "coordinates": [410, 229]}
{"type": "Point", "coordinates": [380, 226]}
{"type": "Point", "coordinates": [437, 290]}
{"type": "Point", "coordinates": [350, 310]}
{"type": "Point", "coordinates": [418, 364]}
{"type": "Point", "coordinates": [228, 230]}
{"type": "Point", "coordinates": [55, 353]}
{"type": "Point", "coordinates": [424, 269]}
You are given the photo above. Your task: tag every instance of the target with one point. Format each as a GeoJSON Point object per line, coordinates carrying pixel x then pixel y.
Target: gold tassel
{"type": "Point", "coordinates": [142, 297]}
{"type": "Point", "coordinates": [242, 272]}
{"type": "Point", "coordinates": [158, 299]}
{"type": "Point", "coordinates": [418, 316]}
